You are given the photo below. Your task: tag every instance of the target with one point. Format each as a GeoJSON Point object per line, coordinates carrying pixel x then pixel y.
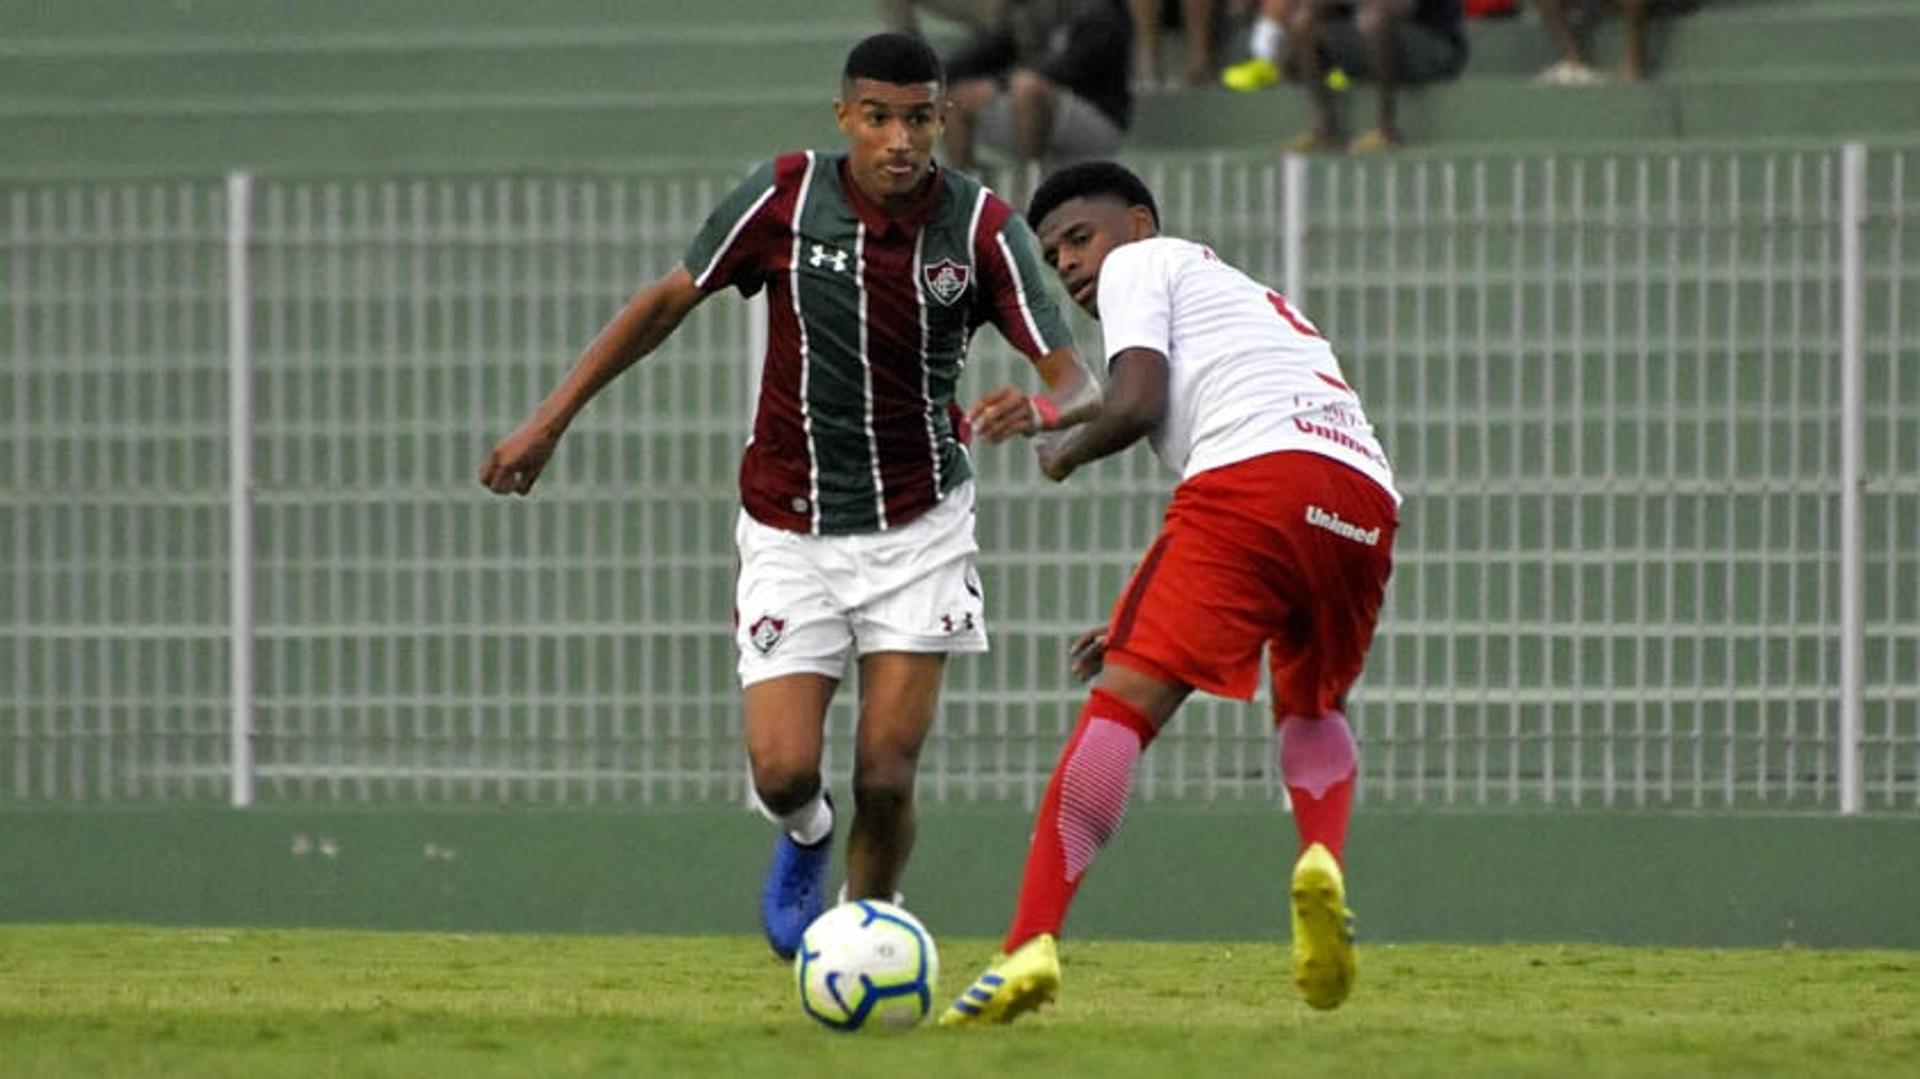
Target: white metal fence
{"type": "Point", "coordinates": [1657, 417]}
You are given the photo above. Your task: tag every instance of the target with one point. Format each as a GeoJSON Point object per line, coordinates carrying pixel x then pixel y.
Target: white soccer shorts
{"type": "Point", "coordinates": [804, 604]}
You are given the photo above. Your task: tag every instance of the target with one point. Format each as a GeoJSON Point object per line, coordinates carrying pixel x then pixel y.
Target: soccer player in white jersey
{"type": "Point", "coordinates": [1278, 540]}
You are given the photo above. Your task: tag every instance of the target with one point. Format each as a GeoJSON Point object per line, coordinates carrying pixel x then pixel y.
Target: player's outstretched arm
{"type": "Point", "coordinates": [1072, 398]}
{"type": "Point", "coordinates": [647, 320]}
{"type": "Point", "coordinates": [1134, 404]}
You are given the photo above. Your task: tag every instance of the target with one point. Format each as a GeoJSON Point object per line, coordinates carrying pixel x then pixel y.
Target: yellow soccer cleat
{"type": "Point", "coordinates": [1014, 985]}
{"type": "Point", "coordinates": [1250, 75]}
{"type": "Point", "coordinates": [1323, 967]}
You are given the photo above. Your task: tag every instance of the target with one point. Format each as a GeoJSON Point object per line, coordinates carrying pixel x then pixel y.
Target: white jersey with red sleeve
{"type": "Point", "coordinates": [1247, 374]}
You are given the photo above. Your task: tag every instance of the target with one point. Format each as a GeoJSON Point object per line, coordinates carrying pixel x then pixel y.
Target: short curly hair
{"type": "Point", "coordinates": [1090, 178]}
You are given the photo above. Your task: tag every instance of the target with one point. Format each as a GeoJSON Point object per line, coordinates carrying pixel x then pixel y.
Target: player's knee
{"type": "Point", "coordinates": [971, 95]}
{"type": "Point", "coordinates": [1377, 17]}
{"type": "Point", "coordinates": [785, 789]}
{"type": "Point", "coordinates": [883, 786]}
{"type": "Point", "coordinates": [1029, 86]}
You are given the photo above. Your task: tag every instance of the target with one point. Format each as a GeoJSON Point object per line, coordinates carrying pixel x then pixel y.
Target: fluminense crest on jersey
{"type": "Point", "coordinates": [947, 280]}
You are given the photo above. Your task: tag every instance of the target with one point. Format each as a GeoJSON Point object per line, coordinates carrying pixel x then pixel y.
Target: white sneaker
{"type": "Point", "coordinates": [1570, 73]}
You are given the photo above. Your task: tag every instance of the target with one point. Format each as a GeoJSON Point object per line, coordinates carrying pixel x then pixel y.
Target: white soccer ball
{"type": "Point", "coordinates": [866, 965]}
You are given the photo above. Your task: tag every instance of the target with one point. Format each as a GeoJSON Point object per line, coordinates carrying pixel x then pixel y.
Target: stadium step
{"type": "Point", "coordinates": [633, 57]}
{"type": "Point", "coordinates": [1743, 40]}
{"type": "Point", "coordinates": [1517, 111]}
{"type": "Point", "coordinates": [201, 86]}
{"type": "Point", "coordinates": [104, 21]}
{"type": "Point", "coordinates": [468, 131]}
{"type": "Point", "coordinates": [591, 60]}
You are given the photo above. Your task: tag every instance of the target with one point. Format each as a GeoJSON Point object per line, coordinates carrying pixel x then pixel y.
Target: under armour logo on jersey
{"type": "Point", "coordinates": [822, 254]}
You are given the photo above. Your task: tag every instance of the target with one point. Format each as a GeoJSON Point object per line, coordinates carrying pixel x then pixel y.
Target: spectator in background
{"type": "Point", "coordinates": [1048, 84]}
{"type": "Point", "coordinates": [1196, 22]}
{"type": "Point", "coordinates": [1573, 69]}
{"type": "Point", "coordinates": [1387, 42]}
{"type": "Point", "coordinates": [902, 16]}
{"type": "Point", "coordinates": [1261, 68]}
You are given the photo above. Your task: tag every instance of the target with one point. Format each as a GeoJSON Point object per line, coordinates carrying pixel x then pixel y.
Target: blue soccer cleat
{"type": "Point", "coordinates": [795, 892]}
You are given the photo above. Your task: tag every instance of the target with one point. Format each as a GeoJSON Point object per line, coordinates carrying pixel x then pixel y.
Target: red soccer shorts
{"type": "Point", "coordinates": [1289, 552]}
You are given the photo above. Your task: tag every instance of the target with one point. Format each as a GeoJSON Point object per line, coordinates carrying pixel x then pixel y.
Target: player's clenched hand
{"type": "Point", "coordinates": [1002, 414]}
{"type": "Point", "coordinates": [516, 462]}
{"type": "Point", "coordinates": [1087, 653]}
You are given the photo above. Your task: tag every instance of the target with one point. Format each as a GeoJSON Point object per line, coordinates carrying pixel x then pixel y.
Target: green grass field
{"type": "Point", "coordinates": [87, 1000]}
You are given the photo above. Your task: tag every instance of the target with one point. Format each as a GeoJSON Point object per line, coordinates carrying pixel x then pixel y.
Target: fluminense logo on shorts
{"type": "Point", "coordinates": [765, 633]}
{"type": "Point", "coordinates": [1320, 518]}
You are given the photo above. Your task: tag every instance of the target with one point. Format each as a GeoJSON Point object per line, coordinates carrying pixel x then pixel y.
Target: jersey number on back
{"type": "Point", "coordinates": [1294, 318]}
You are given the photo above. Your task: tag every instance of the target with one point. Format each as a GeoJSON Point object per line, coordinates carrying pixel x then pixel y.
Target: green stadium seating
{"type": "Point", "coordinates": [119, 87]}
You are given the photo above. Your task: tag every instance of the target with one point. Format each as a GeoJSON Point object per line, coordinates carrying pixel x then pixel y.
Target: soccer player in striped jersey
{"type": "Point", "coordinates": [856, 535]}
{"type": "Point", "coordinates": [1278, 540]}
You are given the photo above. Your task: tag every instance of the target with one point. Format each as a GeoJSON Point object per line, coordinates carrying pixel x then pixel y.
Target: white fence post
{"type": "Point", "coordinates": [1853, 194]}
{"type": "Point", "coordinates": [1293, 228]}
{"type": "Point", "coordinates": [240, 482]}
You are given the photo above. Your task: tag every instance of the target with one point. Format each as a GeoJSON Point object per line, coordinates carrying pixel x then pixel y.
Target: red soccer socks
{"type": "Point", "coordinates": [1317, 762]}
{"type": "Point", "coordinates": [1086, 802]}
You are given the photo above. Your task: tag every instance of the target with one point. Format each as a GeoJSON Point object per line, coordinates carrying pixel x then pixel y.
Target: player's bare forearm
{"type": "Point", "coordinates": [641, 326]}
{"type": "Point", "coordinates": [647, 320]}
{"type": "Point", "coordinates": [1133, 406]}
{"type": "Point", "coordinates": [1072, 397]}
{"type": "Point", "coordinates": [1106, 434]}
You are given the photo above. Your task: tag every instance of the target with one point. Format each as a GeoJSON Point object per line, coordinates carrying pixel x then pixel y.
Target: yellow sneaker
{"type": "Point", "coordinates": [1011, 987]}
{"type": "Point", "coordinates": [1250, 75]}
{"type": "Point", "coordinates": [1323, 967]}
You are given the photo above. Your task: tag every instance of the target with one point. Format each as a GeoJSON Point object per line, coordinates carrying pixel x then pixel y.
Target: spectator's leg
{"type": "Point", "coordinates": [1146, 43]}
{"type": "Point", "coordinates": [966, 100]}
{"type": "Point", "coordinates": [1033, 108]}
{"type": "Point", "coordinates": [898, 16]}
{"type": "Point", "coordinates": [1306, 32]}
{"type": "Point", "coordinates": [1553, 13]}
{"type": "Point", "coordinates": [1261, 68]}
{"type": "Point", "coordinates": [1197, 16]}
{"type": "Point", "coordinates": [1273, 14]}
{"type": "Point", "coordinates": [1379, 23]}
{"type": "Point", "coordinates": [1633, 66]}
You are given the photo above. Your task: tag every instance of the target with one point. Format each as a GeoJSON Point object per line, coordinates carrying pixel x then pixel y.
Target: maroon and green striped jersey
{"type": "Point", "coordinates": [869, 317]}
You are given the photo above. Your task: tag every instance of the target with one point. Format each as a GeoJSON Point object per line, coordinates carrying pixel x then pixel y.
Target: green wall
{"type": "Point", "coordinates": [1176, 872]}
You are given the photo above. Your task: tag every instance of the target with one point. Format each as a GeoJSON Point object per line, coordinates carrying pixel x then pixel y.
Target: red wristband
{"type": "Point", "coordinates": [1046, 414]}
